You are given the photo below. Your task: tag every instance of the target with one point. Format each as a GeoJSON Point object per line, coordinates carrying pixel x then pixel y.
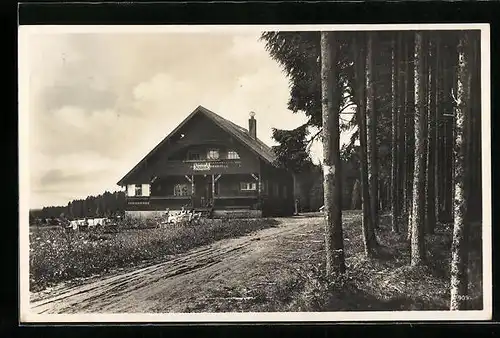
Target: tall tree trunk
{"type": "Point", "coordinates": [437, 128]}
{"type": "Point", "coordinates": [425, 99]}
{"type": "Point", "coordinates": [445, 140]}
{"type": "Point", "coordinates": [381, 196]}
{"type": "Point", "coordinates": [474, 202]}
{"type": "Point", "coordinates": [405, 123]}
{"type": "Point", "coordinates": [369, 239]}
{"type": "Point", "coordinates": [356, 195]}
{"type": "Point", "coordinates": [459, 248]}
{"type": "Point", "coordinates": [450, 78]}
{"type": "Point", "coordinates": [410, 128]}
{"type": "Point", "coordinates": [417, 219]}
{"type": "Point", "coordinates": [394, 140]}
{"type": "Point", "coordinates": [476, 185]}
{"type": "Point", "coordinates": [430, 192]}
{"type": "Point", "coordinates": [372, 132]}
{"type": "Point", "coordinates": [330, 94]}
{"type": "Point", "coordinates": [296, 194]}
{"type": "Point", "coordinates": [401, 155]}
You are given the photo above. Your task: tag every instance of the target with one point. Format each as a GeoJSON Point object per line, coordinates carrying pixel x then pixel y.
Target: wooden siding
{"type": "Point", "coordinates": [229, 185]}
{"type": "Point", "coordinates": [164, 186]}
{"type": "Point", "coordinates": [169, 164]}
{"type": "Point", "coordinates": [156, 204]}
{"type": "Point", "coordinates": [228, 193]}
{"type": "Point", "coordinates": [200, 134]}
{"type": "Point", "coordinates": [277, 195]}
{"type": "Point", "coordinates": [276, 202]}
{"type": "Point", "coordinates": [226, 185]}
{"type": "Point", "coordinates": [202, 167]}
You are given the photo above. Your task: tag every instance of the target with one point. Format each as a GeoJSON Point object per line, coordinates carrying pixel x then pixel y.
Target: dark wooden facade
{"type": "Point", "coordinates": [208, 162]}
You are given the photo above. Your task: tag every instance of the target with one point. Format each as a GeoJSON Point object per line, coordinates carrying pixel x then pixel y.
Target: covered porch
{"type": "Point", "coordinates": [203, 191]}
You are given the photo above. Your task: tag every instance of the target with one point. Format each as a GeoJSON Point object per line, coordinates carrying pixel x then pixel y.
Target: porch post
{"type": "Point", "coordinates": [213, 186]}
{"type": "Point", "coordinates": [259, 182]}
{"type": "Point", "coordinates": [192, 192]}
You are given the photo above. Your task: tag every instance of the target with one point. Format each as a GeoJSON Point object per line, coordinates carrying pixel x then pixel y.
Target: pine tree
{"type": "Point", "coordinates": [431, 144]}
{"type": "Point", "coordinates": [418, 205]}
{"type": "Point", "coordinates": [369, 239]}
{"type": "Point", "coordinates": [372, 132]}
{"type": "Point", "coordinates": [394, 139]}
{"type": "Point", "coordinates": [459, 248]}
{"type": "Point", "coordinates": [334, 243]}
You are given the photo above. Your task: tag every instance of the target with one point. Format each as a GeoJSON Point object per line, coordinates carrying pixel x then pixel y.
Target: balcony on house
{"type": "Point", "coordinates": [198, 190]}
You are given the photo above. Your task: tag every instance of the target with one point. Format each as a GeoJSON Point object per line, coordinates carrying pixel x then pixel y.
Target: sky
{"type": "Point", "coordinates": [98, 102]}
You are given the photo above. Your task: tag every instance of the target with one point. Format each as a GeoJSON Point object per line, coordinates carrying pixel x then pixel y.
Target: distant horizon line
{"type": "Point", "coordinates": [74, 199]}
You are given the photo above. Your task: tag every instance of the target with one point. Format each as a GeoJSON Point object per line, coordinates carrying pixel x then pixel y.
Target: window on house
{"type": "Point", "coordinates": [194, 156]}
{"type": "Point", "coordinates": [232, 155]}
{"type": "Point", "coordinates": [248, 186]}
{"type": "Point", "coordinates": [138, 190]}
{"type": "Point", "coordinates": [181, 190]}
{"type": "Point", "coordinates": [213, 154]}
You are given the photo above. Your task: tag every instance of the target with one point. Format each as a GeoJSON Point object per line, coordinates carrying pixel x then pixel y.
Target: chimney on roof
{"type": "Point", "coordinates": [252, 125]}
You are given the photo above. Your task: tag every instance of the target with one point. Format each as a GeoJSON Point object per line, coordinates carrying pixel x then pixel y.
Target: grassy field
{"type": "Point", "coordinates": [57, 255]}
{"type": "Point", "coordinates": [388, 282]}
{"type": "Point", "coordinates": [385, 283]}
{"type": "Point", "coordinates": [285, 272]}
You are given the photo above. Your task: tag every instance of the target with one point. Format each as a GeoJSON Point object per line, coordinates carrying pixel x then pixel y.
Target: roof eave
{"type": "Point", "coordinates": [207, 113]}
{"type": "Point", "coordinates": [163, 141]}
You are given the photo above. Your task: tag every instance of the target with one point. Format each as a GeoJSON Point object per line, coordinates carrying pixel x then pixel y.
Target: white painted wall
{"type": "Point", "coordinates": [243, 213]}
{"type": "Point", "coordinates": [145, 190]}
{"type": "Point", "coordinates": [131, 190]}
{"type": "Point", "coordinates": [144, 214]}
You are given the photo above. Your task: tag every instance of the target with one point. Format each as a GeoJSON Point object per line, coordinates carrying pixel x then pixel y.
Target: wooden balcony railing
{"type": "Point", "coordinates": [138, 199]}
{"type": "Point", "coordinates": [162, 202]}
{"type": "Point", "coordinates": [204, 167]}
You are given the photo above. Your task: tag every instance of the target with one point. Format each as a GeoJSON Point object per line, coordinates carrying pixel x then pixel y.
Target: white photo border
{"type": "Point", "coordinates": [24, 187]}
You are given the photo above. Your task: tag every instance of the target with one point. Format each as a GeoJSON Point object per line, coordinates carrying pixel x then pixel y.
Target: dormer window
{"type": "Point", "coordinates": [213, 154]}
{"type": "Point", "coordinates": [248, 186]}
{"type": "Point", "coordinates": [138, 190]}
{"type": "Point", "coordinates": [232, 155]}
{"type": "Point", "coordinates": [181, 190]}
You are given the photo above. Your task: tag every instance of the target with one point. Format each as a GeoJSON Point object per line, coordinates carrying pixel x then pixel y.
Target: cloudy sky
{"type": "Point", "coordinates": [99, 102]}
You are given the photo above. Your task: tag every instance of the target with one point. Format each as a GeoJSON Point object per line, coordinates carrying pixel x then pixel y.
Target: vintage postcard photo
{"type": "Point", "coordinates": [254, 173]}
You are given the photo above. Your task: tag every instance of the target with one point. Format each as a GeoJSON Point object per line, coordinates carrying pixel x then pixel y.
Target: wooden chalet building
{"type": "Point", "coordinates": [209, 163]}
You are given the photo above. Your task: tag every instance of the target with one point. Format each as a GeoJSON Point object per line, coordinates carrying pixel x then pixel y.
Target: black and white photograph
{"type": "Point", "coordinates": [233, 173]}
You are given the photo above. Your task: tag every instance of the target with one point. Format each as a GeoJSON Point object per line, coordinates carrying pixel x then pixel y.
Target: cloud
{"type": "Point", "coordinates": [75, 130]}
{"type": "Point", "coordinates": [76, 175]}
{"type": "Point", "coordinates": [93, 97]}
{"type": "Point", "coordinates": [100, 102]}
{"type": "Point", "coordinates": [54, 175]}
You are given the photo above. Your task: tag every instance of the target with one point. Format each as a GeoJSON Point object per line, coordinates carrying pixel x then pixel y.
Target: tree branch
{"type": "Point", "coordinates": [310, 141]}
{"type": "Point", "coordinates": [346, 121]}
{"type": "Point", "coordinates": [457, 102]}
{"type": "Point", "coordinates": [345, 107]}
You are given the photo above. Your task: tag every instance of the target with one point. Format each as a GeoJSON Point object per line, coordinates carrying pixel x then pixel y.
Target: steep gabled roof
{"type": "Point", "coordinates": [255, 145]}
{"type": "Point", "coordinates": [259, 147]}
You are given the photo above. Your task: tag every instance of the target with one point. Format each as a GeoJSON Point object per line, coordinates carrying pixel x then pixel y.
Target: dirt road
{"type": "Point", "coordinates": [190, 280]}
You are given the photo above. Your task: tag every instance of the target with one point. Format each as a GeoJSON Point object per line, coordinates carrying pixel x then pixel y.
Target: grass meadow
{"type": "Point", "coordinates": [58, 255]}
